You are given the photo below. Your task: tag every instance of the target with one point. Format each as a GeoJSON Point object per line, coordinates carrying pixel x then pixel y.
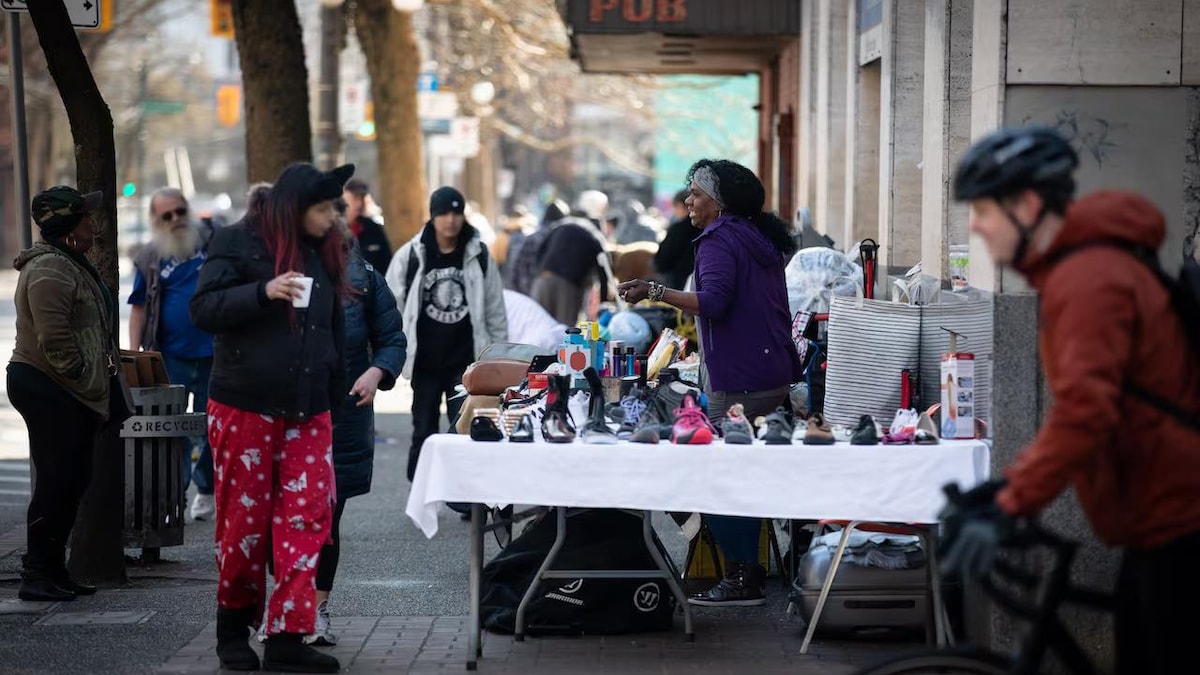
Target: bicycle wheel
{"type": "Point", "coordinates": [953, 661]}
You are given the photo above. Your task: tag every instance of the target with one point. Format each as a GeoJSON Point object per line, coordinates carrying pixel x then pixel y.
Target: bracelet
{"type": "Point", "coordinates": [656, 291]}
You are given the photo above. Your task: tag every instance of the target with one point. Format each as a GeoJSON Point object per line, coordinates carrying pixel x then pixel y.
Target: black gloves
{"type": "Point", "coordinates": [974, 529]}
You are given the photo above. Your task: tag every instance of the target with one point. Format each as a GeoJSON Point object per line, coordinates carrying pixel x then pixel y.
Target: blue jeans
{"type": "Point", "coordinates": [193, 374]}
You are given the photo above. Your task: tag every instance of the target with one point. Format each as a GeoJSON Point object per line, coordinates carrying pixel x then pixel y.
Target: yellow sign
{"type": "Point", "coordinates": [229, 105]}
{"type": "Point", "coordinates": [106, 11]}
{"type": "Point", "coordinates": [222, 18]}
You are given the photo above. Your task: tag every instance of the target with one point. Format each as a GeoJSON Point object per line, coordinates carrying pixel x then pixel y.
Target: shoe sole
{"type": "Point", "coordinates": [728, 603]}
{"type": "Point", "coordinates": [600, 439]}
{"type": "Point", "coordinates": [699, 436]}
{"type": "Point", "coordinates": [778, 441]}
{"type": "Point", "coordinates": [819, 441]}
{"type": "Point", "coordinates": [738, 439]}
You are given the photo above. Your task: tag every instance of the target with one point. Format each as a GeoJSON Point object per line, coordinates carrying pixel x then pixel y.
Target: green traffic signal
{"type": "Point", "coordinates": [129, 190]}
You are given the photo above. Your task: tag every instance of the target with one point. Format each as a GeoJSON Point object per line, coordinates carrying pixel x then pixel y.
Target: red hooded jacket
{"type": "Point", "coordinates": [1106, 320]}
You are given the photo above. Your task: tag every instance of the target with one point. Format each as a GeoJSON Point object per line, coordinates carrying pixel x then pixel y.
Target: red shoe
{"type": "Point", "coordinates": [691, 424]}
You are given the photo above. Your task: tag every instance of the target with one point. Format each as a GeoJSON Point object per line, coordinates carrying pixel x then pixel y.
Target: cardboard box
{"type": "Point", "coordinates": [958, 395]}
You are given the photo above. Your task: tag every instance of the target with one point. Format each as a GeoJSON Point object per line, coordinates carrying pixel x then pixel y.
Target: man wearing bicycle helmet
{"type": "Point", "coordinates": [1107, 329]}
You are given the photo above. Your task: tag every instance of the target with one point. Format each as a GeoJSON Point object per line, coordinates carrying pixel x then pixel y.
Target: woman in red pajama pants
{"type": "Point", "coordinates": [277, 373]}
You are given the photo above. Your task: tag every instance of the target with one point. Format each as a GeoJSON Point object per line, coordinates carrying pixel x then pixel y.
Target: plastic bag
{"type": "Point", "coordinates": [815, 274]}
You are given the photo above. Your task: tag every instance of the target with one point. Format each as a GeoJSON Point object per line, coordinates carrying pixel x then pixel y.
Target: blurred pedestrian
{"type": "Point", "coordinates": [271, 292]}
{"type": "Point", "coordinates": [452, 302]}
{"type": "Point", "coordinates": [515, 226]}
{"type": "Point", "coordinates": [59, 379]}
{"type": "Point", "coordinates": [676, 257]}
{"type": "Point", "coordinates": [165, 273]}
{"type": "Point", "coordinates": [372, 238]}
{"type": "Point", "coordinates": [522, 269]}
{"type": "Point", "coordinates": [570, 262]}
{"type": "Point", "coordinates": [375, 354]}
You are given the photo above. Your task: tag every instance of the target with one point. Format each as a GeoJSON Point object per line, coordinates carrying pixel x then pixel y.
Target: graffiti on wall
{"type": "Point", "coordinates": [1091, 136]}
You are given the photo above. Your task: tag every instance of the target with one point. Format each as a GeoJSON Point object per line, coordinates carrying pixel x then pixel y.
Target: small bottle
{"type": "Point", "coordinates": [630, 362]}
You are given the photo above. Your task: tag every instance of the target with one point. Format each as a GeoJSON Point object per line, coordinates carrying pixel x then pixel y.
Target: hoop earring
{"type": "Point", "coordinates": [72, 241]}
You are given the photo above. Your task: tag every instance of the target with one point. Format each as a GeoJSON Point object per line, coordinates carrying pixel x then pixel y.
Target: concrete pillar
{"type": "Point", "coordinates": [806, 124]}
{"type": "Point", "coordinates": [947, 117]}
{"type": "Point", "coordinates": [830, 169]}
{"type": "Point", "coordinates": [901, 104]}
{"type": "Point", "coordinates": [862, 140]}
{"type": "Point", "coordinates": [988, 55]}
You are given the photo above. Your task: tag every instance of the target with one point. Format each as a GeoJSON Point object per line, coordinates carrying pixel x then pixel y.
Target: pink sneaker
{"type": "Point", "coordinates": [691, 424]}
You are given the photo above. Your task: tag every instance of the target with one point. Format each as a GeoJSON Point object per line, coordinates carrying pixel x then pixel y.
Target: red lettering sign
{"type": "Point", "coordinates": [639, 11]}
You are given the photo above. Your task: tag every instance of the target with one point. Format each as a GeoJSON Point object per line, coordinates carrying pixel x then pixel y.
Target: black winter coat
{"type": "Point", "coordinates": [262, 361]}
{"type": "Point", "coordinates": [374, 337]}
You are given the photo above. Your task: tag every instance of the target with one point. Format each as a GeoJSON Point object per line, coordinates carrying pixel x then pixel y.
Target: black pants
{"type": "Point", "coordinates": [330, 553]}
{"type": "Point", "coordinates": [429, 387]}
{"type": "Point", "coordinates": [1158, 591]}
{"type": "Point", "coordinates": [61, 434]}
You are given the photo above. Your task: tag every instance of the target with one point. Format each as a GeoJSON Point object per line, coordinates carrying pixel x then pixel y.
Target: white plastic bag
{"type": "Point", "coordinates": [816, 274]}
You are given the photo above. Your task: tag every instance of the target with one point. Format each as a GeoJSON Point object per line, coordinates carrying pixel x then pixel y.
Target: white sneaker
{"type": "Point", "coordinates": [321, 635]}
{"type": "Point", "coordinates": [204, 507]}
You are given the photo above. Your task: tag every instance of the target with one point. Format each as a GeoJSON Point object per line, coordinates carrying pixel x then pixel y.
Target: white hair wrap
{"type": "Point", "coordinates": [706, 179]}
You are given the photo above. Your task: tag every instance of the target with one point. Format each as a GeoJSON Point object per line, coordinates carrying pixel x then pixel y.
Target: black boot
{"type": "Point", "coordinates": [287, 653]}
{"type": "Point", "coordinates": [596, 430]}
{"type": "Point", "coordinates": [63, 579]}
{"type": "Point", "coordinates": [37, 586]}
{"type": "Point", "coordinates": [523, 432]}
{"type": "Point", "coordinates": [556, 421]}
{"type": "Point", "coordinates": [741, 587]}
{"type": "Point", "coordinates": [233, 639]}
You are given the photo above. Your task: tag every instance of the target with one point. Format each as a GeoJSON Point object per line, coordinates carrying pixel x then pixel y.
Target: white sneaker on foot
{"type": "Point", "coordinates": [321, 635]}
{"type": "Point", "coordinates": [204, 507]}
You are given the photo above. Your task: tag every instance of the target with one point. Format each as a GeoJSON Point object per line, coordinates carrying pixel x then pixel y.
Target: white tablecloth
{"type": "Point", "coordinates": [890, 483]}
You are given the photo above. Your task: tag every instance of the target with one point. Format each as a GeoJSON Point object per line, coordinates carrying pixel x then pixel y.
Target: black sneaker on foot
{"type": "Point", "coordinates": [742, 587]}
{"type": "Point", "coordinates": [287, 653]}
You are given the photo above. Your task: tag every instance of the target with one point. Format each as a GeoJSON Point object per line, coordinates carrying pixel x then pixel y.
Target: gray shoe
{"type": "Point", "coordinates": [321, 635]}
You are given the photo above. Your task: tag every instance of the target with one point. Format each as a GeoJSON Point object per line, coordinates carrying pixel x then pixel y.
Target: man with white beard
{"type": "Point", "coordinates": [167, 270]}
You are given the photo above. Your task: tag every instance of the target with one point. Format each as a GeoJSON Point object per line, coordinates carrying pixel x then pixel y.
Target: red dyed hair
{"type": "Point", "coordinates": [279, 220]}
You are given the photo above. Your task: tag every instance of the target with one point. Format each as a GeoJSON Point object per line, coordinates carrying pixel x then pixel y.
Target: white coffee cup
{"type": "Point", "coordinates": [306, 284]}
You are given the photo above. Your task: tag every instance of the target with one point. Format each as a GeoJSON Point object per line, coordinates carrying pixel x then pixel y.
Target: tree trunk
{"type": "Point", "coordinates": [275, 84]}
{"type": "Point", "coordinates": [393, 64]}
{"type": "Point", "coordinates": [97, 553]}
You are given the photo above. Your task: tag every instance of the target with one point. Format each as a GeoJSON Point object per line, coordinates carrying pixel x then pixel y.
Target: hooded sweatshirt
{"type": "Point", "coordinates": [744, 320]}
{"type": "Point", "coordinates": [1106, 321]}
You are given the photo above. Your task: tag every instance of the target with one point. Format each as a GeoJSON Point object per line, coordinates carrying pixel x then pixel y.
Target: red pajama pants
{"type": "Point", "coordinates": [274, 487]}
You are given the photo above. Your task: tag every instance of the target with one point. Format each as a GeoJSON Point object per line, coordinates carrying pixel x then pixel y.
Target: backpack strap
{"type": "Point", "coordinates": [410, 274]}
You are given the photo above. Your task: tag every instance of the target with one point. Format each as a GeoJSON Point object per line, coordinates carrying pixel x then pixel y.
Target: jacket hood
{"type": "Point", "coordinates": [38, 249]}
{"type": "Point", "coordinates": [468, 238]}
{"type": "Point", "coordinates": [731, 227]}
{"type": "Point", "coordinates": [1109, 215]}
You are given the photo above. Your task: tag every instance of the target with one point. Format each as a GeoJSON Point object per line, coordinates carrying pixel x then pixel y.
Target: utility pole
{"type": "Point", "coordinates": [329, 135]}
{"type": "Point", "coordinates": [20, 143]}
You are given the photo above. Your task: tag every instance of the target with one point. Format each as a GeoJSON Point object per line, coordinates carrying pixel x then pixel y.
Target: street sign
{"type": "Point", "coordinates": [465, 133]}
{"type": "Point", "coordinates": [435, 126]}
{"type": "Point", "coordinates": [427, 82]}
{"type": "Point", "coordinates": [437, 105]}
{"type": "Point", "coordinates": [352, 108]}
{"type": "Point", "coordinates": [229, 104]}
{"type": "Point", "coordinates": [84, 13]}
{"type": "Point", "coordinates": [153, 106]}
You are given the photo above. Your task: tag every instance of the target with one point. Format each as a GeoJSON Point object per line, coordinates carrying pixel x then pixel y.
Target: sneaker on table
{"type": "Point", "coordinates": [691, 424]}
{"type": "Point", "coordinates": [736, 427]}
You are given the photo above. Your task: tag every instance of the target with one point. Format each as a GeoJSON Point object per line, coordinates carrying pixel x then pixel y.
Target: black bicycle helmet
{"type": "Point", "coordinates": [1015, 159]}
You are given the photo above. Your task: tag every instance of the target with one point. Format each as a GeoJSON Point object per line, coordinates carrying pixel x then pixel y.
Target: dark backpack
{"type": "Point", "coordinates": [1185, 298]}
{"type": "Point", "coordinates": [410, 274]}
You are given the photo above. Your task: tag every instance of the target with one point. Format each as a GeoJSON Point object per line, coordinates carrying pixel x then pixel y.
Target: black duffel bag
{"type": "Point", "coordinates": [598, 539]}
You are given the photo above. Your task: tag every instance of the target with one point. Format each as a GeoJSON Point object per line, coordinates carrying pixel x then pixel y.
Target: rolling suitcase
{"type": "Point", "coordinates": [862, 598]}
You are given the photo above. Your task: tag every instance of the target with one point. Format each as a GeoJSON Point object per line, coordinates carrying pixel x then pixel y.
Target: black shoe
{"type": "Point", "coordinates": [865, 433]}
{"type": "Point", "coordinates": [523, 432]}
{"type": "Point", "coordinates": [556, 421]}
{"type": "Point", "coordinates": [287, 653]}
{"type": "Point", "coordinates": [43, 589]}
{"type": "Point", "coordinates": [233, 639]}
{"type": "Point", "coordinates": [77, 588]}
{"type": "Point", "coordinates": [596, 430]}
{"type": "Point", "coordinates": [485, 429]}
{"type": "Point", "coordinates": [741, 588]}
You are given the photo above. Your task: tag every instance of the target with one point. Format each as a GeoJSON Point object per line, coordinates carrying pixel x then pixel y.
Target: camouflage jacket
{"type": "Point", "coordinates": [64, 324]}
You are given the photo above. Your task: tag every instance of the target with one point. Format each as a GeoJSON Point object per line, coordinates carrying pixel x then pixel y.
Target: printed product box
{"type": "Point", "coordinates": [958, 395]}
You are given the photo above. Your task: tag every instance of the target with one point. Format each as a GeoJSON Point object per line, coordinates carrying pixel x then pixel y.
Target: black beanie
{"type": "Point", "coordinates": [446, 200]}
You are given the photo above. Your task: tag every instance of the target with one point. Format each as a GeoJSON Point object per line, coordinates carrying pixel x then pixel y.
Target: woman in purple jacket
{"type": "Point", "coordinates": [744, 324]}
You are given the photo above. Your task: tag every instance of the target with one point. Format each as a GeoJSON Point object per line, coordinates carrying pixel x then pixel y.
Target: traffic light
{"type": "Point", "coordinates": [229, 104]}
{"type": "Point", "coordinates": [221, 18]}
{"type": "Point", "coordinates": [366, 130]}
{"type": "Point", "coordinates": [129, 190]}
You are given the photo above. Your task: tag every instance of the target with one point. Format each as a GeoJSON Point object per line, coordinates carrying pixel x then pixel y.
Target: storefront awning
{"type": "Point", "coordinates": [679, 36]}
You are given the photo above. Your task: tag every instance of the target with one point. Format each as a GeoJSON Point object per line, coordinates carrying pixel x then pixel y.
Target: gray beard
{"type": "Point", "coordinates": [179, 245]}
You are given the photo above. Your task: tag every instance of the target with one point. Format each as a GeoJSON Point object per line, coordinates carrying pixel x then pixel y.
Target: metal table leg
{"type": "Point", "coordinates": [833, 568]}
{"type": "Point", "coordinates": [670, 575]}
{"type": "Point", "coordinates": [474, 642]}
{"type": "Point", "coordinates": [560, 536]}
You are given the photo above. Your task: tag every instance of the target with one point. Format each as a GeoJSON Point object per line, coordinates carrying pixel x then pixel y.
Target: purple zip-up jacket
{"type": "Point", "coordinates": [744, 319]}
